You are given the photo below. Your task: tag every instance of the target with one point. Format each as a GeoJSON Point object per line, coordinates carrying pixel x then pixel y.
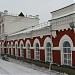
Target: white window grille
{"type": "Point", "coordinates": [2, 28]}
{"type": "Point", "coordinates": [67, 53]}
{"type": "Point", "coordinates": [37, 51]}
{"type": "Point", "coordinates": [21, 48]}
{"type": "Point", "coordinates": [16, 49]}
{"type": "Point", "coordinates": [12, 49]}
{"type": "Point", "coordinates": [1, 48]}
{"type": "Point", "coordinates": [48, 52]}
{"type": "Point", "coordinates": [28, 51]}
{"type": "Point", "coordinates": [8, 47]}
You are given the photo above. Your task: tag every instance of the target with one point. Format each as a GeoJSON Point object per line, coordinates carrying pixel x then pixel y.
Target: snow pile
{"type": "Point", "coordinates": [20, 68]}
{"type": "Point", "coordinates": [41, 69]}
{"type": "Point", "coordinates": [12, 68]}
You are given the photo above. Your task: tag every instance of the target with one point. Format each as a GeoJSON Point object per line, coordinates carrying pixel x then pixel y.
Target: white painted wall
{"type": "Point", "coordinates": [63, 11]}
{"type": "Point", "coordinates": [62, 23]}
{"type": "Point", "coordinates": [16, 23]}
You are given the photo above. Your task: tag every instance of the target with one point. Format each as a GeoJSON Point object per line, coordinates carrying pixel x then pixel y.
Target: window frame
{"type": "Point", "coordinates": [48, 51]}
{"type": "Point", "coordinates": [28, 51]}
{"type": "Point", "coordinates": [66, 58]}
{"type": "Point", "coordinates": [37, 51]}
{"type": "Point", "coordinates": [21, 49]}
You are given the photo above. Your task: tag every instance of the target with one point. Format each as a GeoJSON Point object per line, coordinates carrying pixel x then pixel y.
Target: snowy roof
{"type": "Point", "coordinates": [32, 28]}
{"type": "Point", "coordinates": [63, 8]}
{"type": "Point", "coordinates": [72, 13]}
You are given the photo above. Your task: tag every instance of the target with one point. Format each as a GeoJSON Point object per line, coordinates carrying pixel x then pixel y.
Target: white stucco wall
{"type": "Point", "coordinates": [16, 23]}
{"type": "Point", "coordinates": [62, 23]}
{"type": "Point", "coordinates": [64, 11]}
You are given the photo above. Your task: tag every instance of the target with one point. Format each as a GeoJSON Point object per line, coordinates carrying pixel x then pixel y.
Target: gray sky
{"type": "Point", "coordinates": [34, 7]}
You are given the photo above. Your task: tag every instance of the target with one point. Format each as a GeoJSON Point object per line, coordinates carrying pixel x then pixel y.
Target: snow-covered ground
{"type": "Point", "coordinates": [16, 67]}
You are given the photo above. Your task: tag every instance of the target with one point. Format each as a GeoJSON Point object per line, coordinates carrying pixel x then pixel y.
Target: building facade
{"type": "Point", "coordinates": [52, 41]}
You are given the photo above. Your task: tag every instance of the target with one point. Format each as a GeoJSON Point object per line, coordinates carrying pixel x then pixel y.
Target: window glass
{"type": "Point", "coordinates": [67, 53]}
{"type": "Point", "coordinates": [48, 52]}
{"type": "Point", "coordinates": [66, 44]}
{"type": "Point", "coordinates": [16, 48]}
{"type": "Point", "coordinates": [28, 50]}
{"type": "Point", "coordinates": [21, 48]}
{"type": "Point", "coordinates": [37, 51]}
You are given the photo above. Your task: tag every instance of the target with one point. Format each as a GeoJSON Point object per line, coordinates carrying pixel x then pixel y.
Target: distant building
{"type": "Point", "coordinates": [50, 42]}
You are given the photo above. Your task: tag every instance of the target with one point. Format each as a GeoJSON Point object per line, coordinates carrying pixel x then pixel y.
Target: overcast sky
{"type": "Point", "coordinates": [34, 7]}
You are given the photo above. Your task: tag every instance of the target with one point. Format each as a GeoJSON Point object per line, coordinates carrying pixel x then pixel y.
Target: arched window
{"type": "Point", "coordinates": [21, 48]}
{"type": "Point", "coordinates": [0, 29]}
{"type": "Point", "coordinates": [67, 53]}
{"type": "Point", "coordinates": [37, 51]}
{"type": "Point", "coordinates": [28, 51]}
{"type": "Point", "coordinates": [0, 48]}
{"type": "Point", "coordinates": [8, 47]}
{"type": "Point", "coordinates": [48, 52]}
{"type": "Point", "coordinates": [16, 49]}
{"type": "Point", "coordinates": [12, 49]}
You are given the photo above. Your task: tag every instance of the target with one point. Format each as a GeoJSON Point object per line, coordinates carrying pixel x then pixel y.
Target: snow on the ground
{"type": "Point", "coordinates": [20, 68]}
{"type": "Point", "coordinates": [12, 68]}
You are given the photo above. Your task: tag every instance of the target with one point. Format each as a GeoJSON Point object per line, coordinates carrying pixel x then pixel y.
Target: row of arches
{"type": "Point", "coordinates": [65, 48]}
